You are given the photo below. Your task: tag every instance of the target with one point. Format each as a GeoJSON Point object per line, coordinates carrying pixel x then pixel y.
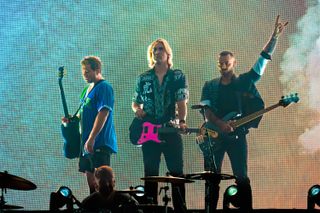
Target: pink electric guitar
{"type": "Point", "coordinates": [150, 132]}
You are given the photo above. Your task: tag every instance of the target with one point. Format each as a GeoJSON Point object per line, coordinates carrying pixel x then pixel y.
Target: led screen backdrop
{"type": "Point", "coordinates": [37, 37]}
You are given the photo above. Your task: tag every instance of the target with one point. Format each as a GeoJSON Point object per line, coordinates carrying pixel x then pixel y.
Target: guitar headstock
{"type": "Point", "coordinates": [61, 72]}
{"type": "Point", "coordinates": [289, 99]}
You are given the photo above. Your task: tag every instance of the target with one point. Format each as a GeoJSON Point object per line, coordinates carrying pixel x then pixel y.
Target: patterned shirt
{"type": "Point", "coordinates": [159, 101]}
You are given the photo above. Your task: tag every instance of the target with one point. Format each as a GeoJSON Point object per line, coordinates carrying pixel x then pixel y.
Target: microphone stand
{"type": "Point", "coordinates": [165, 198]}
{"type": "Point", "coordinates": [209, 184]}
{"type": "Point", "coordinates": [213, 165]}
{"type": "Point", "coordinates": [2, 202]}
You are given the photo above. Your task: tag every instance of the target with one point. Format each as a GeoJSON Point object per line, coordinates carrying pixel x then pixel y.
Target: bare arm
{"type": "Point", "coordinates": [277, 31]}
{"type": "Point", "coordinates": [182, 113]}
{"type": "Point", "coordinates": [97, 127]}
{"type": "Point", "coordinates": [268, 49]}
{"type": "Point", "coordinates": [182, 110]}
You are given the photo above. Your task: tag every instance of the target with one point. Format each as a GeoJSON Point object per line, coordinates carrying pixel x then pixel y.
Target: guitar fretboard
{"type": "Point", "coordinates": [253, 116]}
{"type": "Point", "coordinates": [64, 102]}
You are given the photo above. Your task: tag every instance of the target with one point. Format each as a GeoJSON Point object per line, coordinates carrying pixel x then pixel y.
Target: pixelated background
{"type": "Point", "coordinates": [37, 37]}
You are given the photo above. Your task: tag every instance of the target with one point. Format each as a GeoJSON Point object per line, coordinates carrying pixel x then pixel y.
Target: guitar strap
{"type": "Point", "coordinates": [85, 94]}
{"type": "Point", "coordinates": [75, 114]}
{"type": "Point", "coordinates": [239, 100]}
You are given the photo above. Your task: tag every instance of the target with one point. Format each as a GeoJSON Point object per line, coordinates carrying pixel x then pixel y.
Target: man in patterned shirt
{"type": "Point", "coordinates": [161, 96]}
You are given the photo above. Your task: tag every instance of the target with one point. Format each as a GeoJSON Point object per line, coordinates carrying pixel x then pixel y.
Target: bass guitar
{"type": "Point", "coordinates": [240, 122]}
{"type": "Point", "coordinates": [142, 131]}
{"type": "Point", "coordinates": [70, 130]}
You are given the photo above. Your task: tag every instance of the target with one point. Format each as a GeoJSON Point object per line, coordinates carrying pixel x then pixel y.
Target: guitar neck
{"type": "Point", "coordinates": [255, 115]}
{"type": "Point", "coordinates": [64, 103]}
{"type": "Point", "coordinates": [203, 131]}
{"type": "Point", "coordinates": [174, 130]}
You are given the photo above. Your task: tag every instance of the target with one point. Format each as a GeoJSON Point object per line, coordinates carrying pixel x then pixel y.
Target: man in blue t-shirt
{"type": "Point", "coordinates": [98, 137]}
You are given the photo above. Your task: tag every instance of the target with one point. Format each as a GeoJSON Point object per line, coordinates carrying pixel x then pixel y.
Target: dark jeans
{"type": "Point", "coordinates": [237, 151]}
{"type": "Point", "coordinates": [172, 149]}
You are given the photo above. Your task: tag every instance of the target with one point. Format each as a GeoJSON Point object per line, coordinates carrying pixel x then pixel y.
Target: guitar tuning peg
{"type": "Point", "coordinates": [61, 68]}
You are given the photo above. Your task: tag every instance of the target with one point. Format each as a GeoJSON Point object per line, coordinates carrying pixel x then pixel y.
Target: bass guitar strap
{"type": "Point", "coordinates": [239, 100]}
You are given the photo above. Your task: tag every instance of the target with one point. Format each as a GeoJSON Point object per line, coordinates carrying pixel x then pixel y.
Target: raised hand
{"type": "Point", "coordinates": [279, 27]}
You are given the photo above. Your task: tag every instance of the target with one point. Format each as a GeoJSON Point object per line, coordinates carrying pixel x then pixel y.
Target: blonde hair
{"type": "Point", "coordinates": [167, 48]}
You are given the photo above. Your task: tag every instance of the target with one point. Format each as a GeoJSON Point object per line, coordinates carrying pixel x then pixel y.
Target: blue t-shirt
{"type": "Point", "coordinates": [100, 97]}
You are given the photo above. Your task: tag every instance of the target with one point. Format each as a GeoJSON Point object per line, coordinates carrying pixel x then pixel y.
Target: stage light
{"type": "Point", "coordinates": [65, 192]}
{"type": "Point", "coordinates": [63, 197]}
{"type": "Point", "coordinates": [138, 193]}
{"type": "Point", "coordinates": [313, 197]}
{"type": "Point", "coordinates": [231, 196]}
{"type": "Point", "coordinates": [139, 188]}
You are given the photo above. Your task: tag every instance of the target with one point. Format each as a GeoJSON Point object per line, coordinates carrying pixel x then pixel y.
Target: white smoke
{"type": "Point", "coordinates": [301, 71]}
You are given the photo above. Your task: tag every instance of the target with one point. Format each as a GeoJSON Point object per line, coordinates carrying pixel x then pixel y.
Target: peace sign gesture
{"type": "Point", "coordinates": [279, 27]}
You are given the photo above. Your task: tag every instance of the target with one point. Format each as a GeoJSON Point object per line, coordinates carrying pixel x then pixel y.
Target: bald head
{"type": "Point", "coordinates": [104, 179]}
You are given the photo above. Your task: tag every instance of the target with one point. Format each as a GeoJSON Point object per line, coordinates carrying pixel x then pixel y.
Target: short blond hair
{"type": "Point", "coordinates": [94, 62]}
{"type": "Point", "coordinates": [167, 48]}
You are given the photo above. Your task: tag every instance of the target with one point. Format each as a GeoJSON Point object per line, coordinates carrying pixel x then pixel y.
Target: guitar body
{"type": "Point", "coordinates": [214, 142]}
{"type": "Point", "coordinates": [222, 135]}
{"type": "Point", "coordinates": [135, 130]}
{"type": "Point", "coordinates": [143, 130]}
{"type": "Point", "coordinates": [71, 139]}
{"type": "Point", "coordinates": [149, 133]}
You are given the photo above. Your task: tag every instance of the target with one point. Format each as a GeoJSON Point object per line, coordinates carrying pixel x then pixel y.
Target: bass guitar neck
{"type": "Point", "coordinates": [64, 102]}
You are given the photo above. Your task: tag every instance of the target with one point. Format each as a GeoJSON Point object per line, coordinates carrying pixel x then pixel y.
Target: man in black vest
{"type": "Point", "coordinates": [226, 94]}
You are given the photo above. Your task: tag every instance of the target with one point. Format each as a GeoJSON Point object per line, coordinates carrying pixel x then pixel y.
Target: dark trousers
{"type": "Point", "coordinates": [172, 149]}
{"type": "Point", "coordinates": [237, 152]}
